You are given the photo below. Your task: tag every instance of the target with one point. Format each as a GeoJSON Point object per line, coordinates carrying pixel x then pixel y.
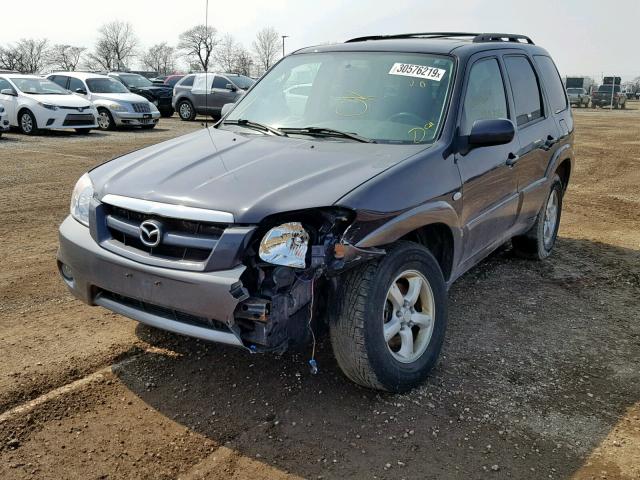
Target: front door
{"type": "Point", "coordinates": [489, 185]}
{"type": "Point", "coordinates": [8, 101]}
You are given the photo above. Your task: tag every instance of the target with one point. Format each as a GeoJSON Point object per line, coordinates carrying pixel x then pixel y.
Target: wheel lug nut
{"type": "Point", "coordinates": [398, 313]}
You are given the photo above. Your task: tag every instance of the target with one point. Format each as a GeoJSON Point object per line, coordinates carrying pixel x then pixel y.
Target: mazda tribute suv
{"type": "Point", "coordinates": [349, 206]}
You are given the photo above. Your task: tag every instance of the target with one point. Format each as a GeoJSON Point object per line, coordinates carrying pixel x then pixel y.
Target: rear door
{"type": "Point", "coordinates": [537, 133]}
{"type": "Point", "coordinates": [489, 196]}
{"type": "Point", "coordinates": [220, 94]}
{"type": "Point", "coordinates": [200, 91]}
{"type": "Point", "coordinates": [8, 101]}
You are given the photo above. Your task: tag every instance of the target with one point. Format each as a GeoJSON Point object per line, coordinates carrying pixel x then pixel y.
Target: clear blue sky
{"type": "Point", "coordinates": [585, 37]}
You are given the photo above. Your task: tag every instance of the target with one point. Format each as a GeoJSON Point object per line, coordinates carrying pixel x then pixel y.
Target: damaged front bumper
{"type": "Point", "coordinates": [197, 304]}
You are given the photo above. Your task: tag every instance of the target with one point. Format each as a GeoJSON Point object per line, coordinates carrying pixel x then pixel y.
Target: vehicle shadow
{"type": "Point", "coordinates": [539, 365]}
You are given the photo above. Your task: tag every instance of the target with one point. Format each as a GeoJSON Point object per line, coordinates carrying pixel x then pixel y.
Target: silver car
{"type": "Point", "coordinates": [207, 93]}
{"type": "Point", "coordinates": [578, 97]}
{"type": "Point", "coordinates": [116, 105]}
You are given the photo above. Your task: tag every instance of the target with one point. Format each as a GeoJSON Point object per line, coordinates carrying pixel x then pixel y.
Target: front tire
{"type": "Point", "coordinates": [538, 242]}
{"type": "Point", "coordinates": [105, 120]}
{"type": "Point", "coordinates": [389, 324]}
{"type": "Point", "coordinates": [186, 112]}
{"type": "Point", "coordinates": [27, 123]}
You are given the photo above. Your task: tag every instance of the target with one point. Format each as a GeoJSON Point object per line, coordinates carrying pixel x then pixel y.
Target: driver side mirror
{"type": "Point", "coordinates": [226, 108]}
{"type": "Point", "coordinates": [231, 86]}
{"type": "Point", "coordinates": [81, 91]}
{"type": "Point", "coordinates": [8, 91]}
{"type": "Point", "coordinates": [486, 133]}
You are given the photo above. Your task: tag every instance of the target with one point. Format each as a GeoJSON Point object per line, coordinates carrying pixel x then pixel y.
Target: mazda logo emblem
{"type": "Point", "coordinates": [151, 233]}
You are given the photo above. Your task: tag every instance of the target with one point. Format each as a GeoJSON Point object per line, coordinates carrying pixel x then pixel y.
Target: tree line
{"type": "Point", "coordinates": [117, 47]}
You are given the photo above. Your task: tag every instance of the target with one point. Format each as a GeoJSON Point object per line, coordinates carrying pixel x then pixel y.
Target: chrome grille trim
{"type": "Point", "coordinates": [169, 210]}
{"type": "Point", "coordinates": [141, 107]}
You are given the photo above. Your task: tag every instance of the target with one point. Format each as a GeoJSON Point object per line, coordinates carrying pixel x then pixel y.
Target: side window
{"type": "Point", "coordinates": [4, 84]}
{"type": "Point", "coordinates": [60, 80]}
{"type": "Point", "coordinates": [525, 88]}
{"type": "Point", "coordinates": [485, 98]}
{"type": "Point", "coordinates": [552, 83]}
{"type": "Point", "coordinates": [220, 82]}
{"type": "Point", "coordinates": [75, 84]}
{"type": "Point", "coordinates": [188, 81]}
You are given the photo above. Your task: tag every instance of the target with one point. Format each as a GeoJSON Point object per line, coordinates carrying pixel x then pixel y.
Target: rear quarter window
{"type": "Point", "coordinates": [525, 88]}
{"type": "Point", "coordinates": [187, 81]}
{"type": "Point", "coordinates": [552, 83]}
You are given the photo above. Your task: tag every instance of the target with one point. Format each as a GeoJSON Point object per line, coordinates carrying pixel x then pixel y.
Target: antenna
{"type": "Point", "coordinates": [207, 88]}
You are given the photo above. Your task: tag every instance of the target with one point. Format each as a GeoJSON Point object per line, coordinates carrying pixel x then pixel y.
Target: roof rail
{"type": "Point", "coordinates": [477, 37]}
{"type": "Point", "coordinates": [501, 37]}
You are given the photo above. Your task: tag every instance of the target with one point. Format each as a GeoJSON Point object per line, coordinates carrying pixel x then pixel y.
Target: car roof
{"type": "Point", "coordinates": [439, 43]}
{"type": "Point", "coordinates": [20, 75]}
{"type": "Point", "coordinates": [80, 75]}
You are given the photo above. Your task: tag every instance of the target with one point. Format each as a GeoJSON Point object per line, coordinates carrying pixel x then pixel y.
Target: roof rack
{"type": "Point", "coordinates": [477, 37]}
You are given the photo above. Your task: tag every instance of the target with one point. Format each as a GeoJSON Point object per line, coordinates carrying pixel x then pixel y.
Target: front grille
{"type": "Point", "coordinates": [76, 120]}
{"type": "Point", "coordinates": [164, 312]}
{"type": "Point", "coordinates": [141, 107]}
{"type": "Point", "coordinates": [182, 240]}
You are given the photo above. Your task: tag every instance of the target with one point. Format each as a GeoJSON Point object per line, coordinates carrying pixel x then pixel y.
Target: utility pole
{"type": "Point", "coordinates": [283, 37]}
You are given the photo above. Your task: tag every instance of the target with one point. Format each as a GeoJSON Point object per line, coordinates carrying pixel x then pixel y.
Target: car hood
{"type": "Point", "coordinates": [70, 100]}
{"type": "Point", "coordinates": [156, 91]}
{"type": "Point", "coordinates": [119, 97]}
{"type": "Point", "coordinates": [251, 176]}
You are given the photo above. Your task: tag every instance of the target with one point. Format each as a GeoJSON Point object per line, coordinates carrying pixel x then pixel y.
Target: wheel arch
{"type": "Point", "coordinates": [564, 172]}
{"type": "Point", "coordinates": [21, 109]}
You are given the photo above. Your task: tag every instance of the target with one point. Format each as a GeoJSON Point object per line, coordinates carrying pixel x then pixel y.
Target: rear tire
{"type": "Point", "coordinates": [374, 319]}
{"type": "Point", "coordinates": [27, 123]}
{"type": "Point", "coordinates": [538, 242]}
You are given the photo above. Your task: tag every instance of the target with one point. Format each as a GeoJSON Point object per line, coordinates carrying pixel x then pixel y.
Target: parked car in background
{"type": "Point", "coordinates": [416, 156]}
{"type": "Point", "coordinates": [34, 103]}
{"type": "Point", "coordinates": [171, 80]}
{"type": "Point", "coordinates": [609, 95]}
{"type": "Point", "coordinates": [159, 95]}
{"type": "Point", "coordinates": [4, 120]}
{"type": "Point", "coordinates": [207, 93]}
{"type": "Point", "coordinates": [116, 106]}
{"type": "Point", "coordinates": [578, 97]}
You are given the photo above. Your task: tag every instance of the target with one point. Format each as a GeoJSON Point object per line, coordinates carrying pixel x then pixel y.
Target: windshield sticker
{"type": "Point", "coordinates": [419, 133]}
{"type": "Point", "coordinates": [418, 71]}
{"type": "Point", "coordinates": [353, 105]}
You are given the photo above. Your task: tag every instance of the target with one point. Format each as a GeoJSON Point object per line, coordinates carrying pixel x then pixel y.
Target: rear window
{"type": "Point", "coordinates": [552, 83]}
{"type": "Point", "coordinates": [187, 81]}
{"type": "Point", "coordinates": [525, 89]}
{"type": "Point", "coordinates": [607, 89]}
{"type": "Point", "coordinates": [575, 90]}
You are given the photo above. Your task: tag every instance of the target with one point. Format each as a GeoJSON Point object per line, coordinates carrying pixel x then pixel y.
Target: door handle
{"type": "Point", "coordinates": [512, 159]}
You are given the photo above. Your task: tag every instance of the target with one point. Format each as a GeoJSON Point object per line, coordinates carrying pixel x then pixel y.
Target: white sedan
{"type": "Point", "coordinates": [33, 103]}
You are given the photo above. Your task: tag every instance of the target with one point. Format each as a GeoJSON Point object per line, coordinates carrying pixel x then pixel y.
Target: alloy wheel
{"type": "Point", "coordinates": [104, 122]}
{"type": "Point", "coordinates": [408, 317]}
{"type": "Point", "coordinates": [26, 122]}
{"type": "Point", "coordinates": [185, 111]}
{"type": "Point", "coordinates": [550, 219]}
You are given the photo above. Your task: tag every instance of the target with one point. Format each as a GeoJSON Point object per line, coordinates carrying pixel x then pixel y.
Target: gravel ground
{"type": "Point", "coordinates": [538, 379]}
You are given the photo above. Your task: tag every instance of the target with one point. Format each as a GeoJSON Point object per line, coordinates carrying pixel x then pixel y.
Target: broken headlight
{"type": "Point", "coordinates": [285, 245]}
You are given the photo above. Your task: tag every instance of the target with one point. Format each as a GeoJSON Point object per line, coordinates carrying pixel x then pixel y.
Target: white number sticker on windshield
{"type": "Point", "coordinates": [418, 71]}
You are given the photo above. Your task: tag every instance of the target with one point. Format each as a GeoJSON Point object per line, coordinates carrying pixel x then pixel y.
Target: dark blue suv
{"type": "Point", "coordinates": [349, 188]}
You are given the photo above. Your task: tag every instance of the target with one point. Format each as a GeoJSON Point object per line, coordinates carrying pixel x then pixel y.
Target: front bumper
{"type": "Point", "coordinates": [197, 304]}
{"type": "Point", "coordinates": [135, 119]}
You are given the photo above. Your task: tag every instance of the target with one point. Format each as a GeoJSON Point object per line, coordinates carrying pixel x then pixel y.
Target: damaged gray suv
{"type": "Point", "coordinates": [345, 192]}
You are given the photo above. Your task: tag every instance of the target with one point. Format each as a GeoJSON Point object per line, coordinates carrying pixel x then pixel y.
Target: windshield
{"type": "Point", "coordinates": [575, 91]}
{"type": "Point", "coordinates": [241, 81]}
{"type": "Point", "coordinates": [607, 88]}
{"type": "Point", "coordinates": [388, 97]}
{"type": "Point", "coordinates": [135, 80]}
{"type": "Point", "coordinates": [105, 85]}
{"type": "Point", "coordinates": [39, 86]}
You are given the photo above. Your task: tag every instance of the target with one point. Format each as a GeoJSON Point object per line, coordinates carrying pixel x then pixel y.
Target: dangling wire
{"type": "Point", "coordinates": [312, 363]}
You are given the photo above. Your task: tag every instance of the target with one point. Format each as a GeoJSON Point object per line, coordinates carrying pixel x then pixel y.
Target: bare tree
{"type": "Point", "coordinates": [11, 58]}
{"type": "Point", "coordinates": [65, 57]}
{"type": "Point", "coordinates": [116, 45]}
{"type": "Point", "coordinates": [226, 53]}
{"type": "Point", "coordinates": [243, 63]}
{"type": "Point", "coordinates": [160, 58]}
{"type": "Point", "coordinates": [30, 55]}
{"type": "Point", "coordinates": [266, 47]}
{"type": "Point", "coordinates": [198, 44]}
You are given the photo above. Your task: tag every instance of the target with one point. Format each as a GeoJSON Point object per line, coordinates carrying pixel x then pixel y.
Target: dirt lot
{"type": "Point", "coordinates": [539, 379]}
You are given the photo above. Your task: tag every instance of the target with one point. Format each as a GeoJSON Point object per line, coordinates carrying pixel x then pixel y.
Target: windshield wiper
{"type": "Point", "coordinates": [328, 132]}
{"type": "Point", "coordinates": [256, 126]}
